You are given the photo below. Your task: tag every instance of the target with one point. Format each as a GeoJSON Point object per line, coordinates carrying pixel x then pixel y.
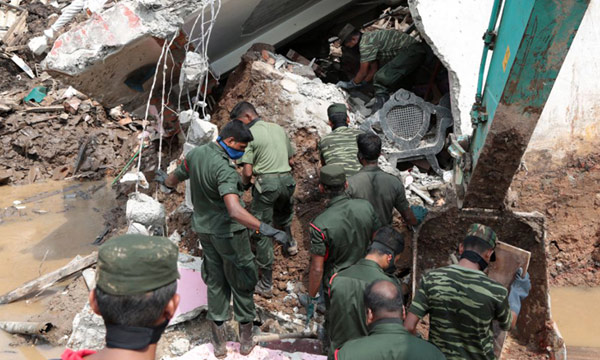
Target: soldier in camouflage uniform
{"type": "Point", "coordinates": [347, 316]}
{"type": "Point", "coordinates": [339, 146]}
{"type": "Point", "coordinates": [269, 158]}
{"type": "Point", "coordinates": [388, 339]}
{"type": "Point", "coordinates": [222, 224]}
{"type": "Point", "coordinates": [135, 293]}
{"type": "Point", "coordinates": [462, 301]}
{"type": "Point", "coordinates": [387, 57]}
{"type": "Point", "coordinates": [340, 235]}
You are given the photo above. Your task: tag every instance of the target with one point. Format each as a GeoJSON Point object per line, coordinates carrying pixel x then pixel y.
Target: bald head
{"type": "Point", "coordinates": [384, 300]}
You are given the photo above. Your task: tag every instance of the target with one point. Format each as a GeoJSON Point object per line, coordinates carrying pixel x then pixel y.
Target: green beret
{"type": "Point", "coordinates": [336, 108]}
{"type": "Point", "coordinates": [332, 175]}
{"type": "Point", "coordinates": [135, 264]}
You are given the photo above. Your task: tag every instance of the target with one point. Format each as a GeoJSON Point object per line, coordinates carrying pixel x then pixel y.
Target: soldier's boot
{"type": "Point", "coordinates": [246, 342]}
{"type": "Point", "coordinates": [292, 247]}
{"type": "Point", "coordinates": [264, 287]}
{"type": "Point", "coordinates": [380, 99]}
{"type": "Point", "coordinates": [218, 340]}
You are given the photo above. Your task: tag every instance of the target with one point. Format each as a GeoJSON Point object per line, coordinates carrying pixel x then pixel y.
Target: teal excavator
{"type": "Point", "coordinates": [528, 41]}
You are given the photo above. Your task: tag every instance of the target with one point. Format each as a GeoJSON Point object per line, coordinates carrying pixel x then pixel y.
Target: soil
{"type": "Point", "coordinates": [569, 197]}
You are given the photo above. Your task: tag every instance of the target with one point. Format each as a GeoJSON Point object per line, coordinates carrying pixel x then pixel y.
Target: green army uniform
{"type": "Point", "coordinates": [384, 191]}
{"type": "Point", "coordinates": [347, 317]}
{"type": "Point", "coordinates": [461, 304]}
{"type": "Point", "coordinates": [339, 147]}
{"type": "Point", "coordinates": [272, 195]}
{"type": "Point", "coordinates": [342, 233]}
{"type": "Point", "coordinates": [398, 55]}
{"type": "Point", "coordinates": [388, 340]}
{"type": "Point", "coordinates": [228, 267]}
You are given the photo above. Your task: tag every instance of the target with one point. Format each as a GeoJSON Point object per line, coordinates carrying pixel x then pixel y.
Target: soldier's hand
{"type": "Point", "coordinates": [160, 177]}
{"type": "Point", "coordinates": [519, 290]}
{"type": "Point", "coordinates": [311, 306]}
{"type": "Point", "coordinates": [279, 236]}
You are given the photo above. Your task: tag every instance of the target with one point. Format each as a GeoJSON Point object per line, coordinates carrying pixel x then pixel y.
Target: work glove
{"type": "Point", "coordinates": [420, 212]}
{"type": "Point", "coordinates": [279, 236]}
{"type": "Point", "coordinates": [311, 306]}
{"type": "Point", "coordinates": [519, 291]}
{"type": "Point", "coordinates": [348, 85]}
{"type": "Point", "coordinates": [247, 186]}
{"type": "Point", "coordinates": [160, 176]}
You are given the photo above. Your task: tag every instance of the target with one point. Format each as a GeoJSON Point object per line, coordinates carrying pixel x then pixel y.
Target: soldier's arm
{"type": "Point", "coordinates": [403, 206]}
{"type": "Point", "coordinates": [238, 213]}
{"type": "Point", "coordinates": [373, 67]}
{"type": "Point", "coordinates": [411, 322]}
{"type": "Point", "coordinates": [409, 217]}
{"type": "Point", "coordinates": [172, 181]}
{"type": "Point", "coordinates": [315, 275]}
{"type": "Point", "coordinates": [363, 72]}
{"type": "Point", "coordinates": [180, 174]}
{"type": "Point", "coordinates": [418, 308]}
{"type": "Point", "coordinates": [247, 174]}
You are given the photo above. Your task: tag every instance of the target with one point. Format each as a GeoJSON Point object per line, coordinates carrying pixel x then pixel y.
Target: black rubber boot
{"type": "Point", "coordinates": [379, 101]}
{"type": "Point", "coordinates": [264, 287]}
{"type": "Point", "coordinates": [218, 340]}
{"type": "Point", "coordinates": [246, 342]}
{"type": "Point", "coordinates": [292, 247]}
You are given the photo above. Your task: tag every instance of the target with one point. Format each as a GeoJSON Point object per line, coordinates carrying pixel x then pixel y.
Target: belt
{"type": "Point", "coordinates": [274, 174]}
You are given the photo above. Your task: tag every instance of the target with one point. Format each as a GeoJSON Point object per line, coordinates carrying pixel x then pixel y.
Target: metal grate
{"type": "Point", "coordinates": [405, 121]}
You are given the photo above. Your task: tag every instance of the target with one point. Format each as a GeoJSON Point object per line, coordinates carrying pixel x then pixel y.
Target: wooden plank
{"type": "Point", "coordinates": [16, 29]}
{"type": "Point", "coordinates": [508, 261]}
{"type": "Point", "coordinates": [45, 281]}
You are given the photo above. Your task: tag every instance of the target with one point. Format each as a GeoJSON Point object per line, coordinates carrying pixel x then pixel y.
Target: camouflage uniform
{"type": "Point", "coordinates": [398, 55]}
{"type": "Point", "coordinates": [461, 304]}
{"type": "Point", "coordinates": [388, 340]}
{"type": "Point", "coordinates": [272, 194]}
{"type": "Point", "coordinates": [384, 191]}
{"type": "Point", "coordinates": [339, 147]}
{"type": "Point", "coordinates": [228, 268]}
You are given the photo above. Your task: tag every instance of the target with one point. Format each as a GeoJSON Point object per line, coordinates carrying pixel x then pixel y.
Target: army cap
{"type": "Point", "coordinates": [336, 108]}
{"type": "Point", "coordinates": [346, 31]}
{"type": "Point", "coordinates": [390, 238]}
{"type": "Point", "coordinates": [332, 175]}
{"type": "Point", "coordinates": [134, 264]}
{"type": "Point", "coordinates": [484, 233]}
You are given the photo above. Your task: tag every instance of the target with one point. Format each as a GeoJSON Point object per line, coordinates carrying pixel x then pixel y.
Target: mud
{"type": "Point", "coordinates": [568, 195]}
{"type": "Point", "coordinates": [576, 311]}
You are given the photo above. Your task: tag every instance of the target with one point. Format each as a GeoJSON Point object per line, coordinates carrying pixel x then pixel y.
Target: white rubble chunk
{"type": "Point", "coordinates": [143, 209]}
{"type": "Point", "coordinates": [88, 331]}
{"type": "Point", "coordinates": [194, 68]}
{"type": "Point", "coordinates": [38, 45]}
{"type": "Point", "coordinates": [179, 346]}
{"type": "Point", "coordinates": [201, 132]}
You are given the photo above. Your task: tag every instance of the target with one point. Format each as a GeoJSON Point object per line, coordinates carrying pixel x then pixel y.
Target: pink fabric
{"type": "Point", "coordinates": [192, 291]}
{"type": "Point", "coordinates": [69, 354]}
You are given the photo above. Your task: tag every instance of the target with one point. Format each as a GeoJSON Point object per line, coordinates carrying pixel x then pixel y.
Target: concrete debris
{"type": "Point", "coordinates": [191, 289]}
{"type": "Point", "coordinates": [180, 347]}
{"type": "Point", "coordinates": [205, 351]}
{"type": "Point", "coordinates": [138, 229]}
{"type": "Point", "coordinates": [38, 45]}
{"type": "Point", "coordinates": [21, 63]}
{"type": "Point", "coordinates": [144, 210]}
{"type": "Point", "coordinates": [88, 331]}
{"type": "Point", "coordinates": [89, 276]}
{"type": "Point", "coordinates": [175, 238]}
{"type": "Point", "coordinates": [200, 131]}
{"type": "Point", "coordinates": [135, 176]}
{"type": "Point", "coordinates": [193, 70]}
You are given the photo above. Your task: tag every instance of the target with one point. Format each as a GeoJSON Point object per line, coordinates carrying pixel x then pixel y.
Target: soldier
{"type": "Point", "coordinates": [347, 317]}
{"type": "Point", "coordinates": [384, 191]}
{"type": "Point", "coordinates": [339, 236]}
{"type": "Point", "coordinates": [136, 281]}
{"type": "Point", "coordinates": [462, 301]}
{"type": "Point", "coordinates": [269, 158]}
{"type": "Point", "coordinates": [386, 56]}
{"type": "Point", "coordinates": [221, 223]}
{"type": "Point", "coordinates": [388, 339]}
{"type": "Point", "coordinates": [339, 146]}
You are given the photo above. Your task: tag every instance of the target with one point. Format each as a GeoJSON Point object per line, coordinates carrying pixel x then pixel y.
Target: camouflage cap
{"type": "Point", "coordinates": [135, 264]}
{"type": "Point", "coordinates": [346, 31]}
{"type": "Point", "coordinates": [336, 108]}
{"type": "Point", "coordinates": [484, 233]}
{"type": "Point", "coordinates": [332, 175]}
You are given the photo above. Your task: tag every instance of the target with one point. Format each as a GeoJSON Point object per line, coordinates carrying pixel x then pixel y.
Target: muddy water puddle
{"type": "Point", "coordinates": [576, 311]}
{"type": "Point", "coordinates": [42, 227]}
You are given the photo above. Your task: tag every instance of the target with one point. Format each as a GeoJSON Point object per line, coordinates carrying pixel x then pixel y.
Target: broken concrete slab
{"type": "Point", "coordinates": [206, 351]}
{"type": "Point", "coordinates": [200, 131]}
{"type": "Point", "coordinates": [143, 209]}
{"type": "Point", "coordinates": [88, 331]}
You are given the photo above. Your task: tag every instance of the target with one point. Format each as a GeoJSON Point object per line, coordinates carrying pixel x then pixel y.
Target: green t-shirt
{"type": "Point", "coordinates": [461, 304]}
{"type": "Point", "coordinates": [384, 191]}
{"type": "Point", "coordinates": [383, 45]}
{"type": "Point", "coordinates": [212, 175]}
{"type": "Point", "coordinates": [342, 233]}
{"type": "Point", "coordinates": [270, 150]}
{"type": "Point", "coordinates": [340, 147]}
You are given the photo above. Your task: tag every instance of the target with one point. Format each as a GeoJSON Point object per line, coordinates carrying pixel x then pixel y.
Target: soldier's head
{"type": "Point", "coordinates": [234, 138]}
{"type": "Point", "coordinates": [369, 148]}
{"type": "Point", "coordinates": [338, 115]}
{"type": "Point", "coordinates": [135, 293]}
{"type": "Point", "coordinates": [478, 245]}
{"type": "Point", "coordinates": [332, 180]}
{"type": "Point", "coordinates": [349, 36]}
{"type": "Point", "coordinates": [383, 300]}
{"type": "Point", "coordinates": [243, 111]}
{"type": "Point", "coordinates": [386, 248]}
